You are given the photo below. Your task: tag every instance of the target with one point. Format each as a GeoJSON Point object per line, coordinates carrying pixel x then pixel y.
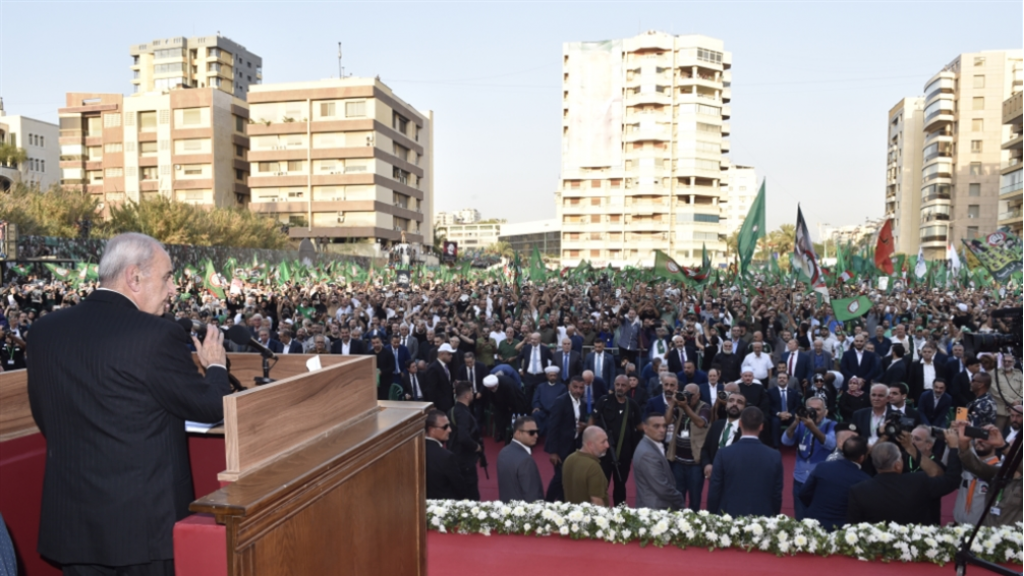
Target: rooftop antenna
{"type": "Point", "coordinates": [341, 70]}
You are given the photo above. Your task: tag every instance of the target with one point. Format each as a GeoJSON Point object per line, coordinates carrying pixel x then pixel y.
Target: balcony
{"type": "Point", "coordinates": [935, 197]}
{"type": "Point", "coordinates": [648, 98]}
{"type": "Point", "coordinates": [938, 119]}
{"type": "Point", "coordinates": [940, 239]}
{"type": "Point", "coordinates": [1014, 141]}
{"type": "Point", "coordinates": [1009, 216]}
{"type": "Point", "coordinates": [1011, 164]}
{"type": "Point", "coordinates": [934, 217]}
{"type": "Point", "coordinates": [943, 85]}
{"type": "Point", "coordinates": [1011, 188]}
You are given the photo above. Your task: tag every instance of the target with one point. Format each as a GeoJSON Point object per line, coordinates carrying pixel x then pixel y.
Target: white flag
{"type": "Point", "coordinates": [954, 260]}
{"type": "Point", "coordinates": [921, 268]}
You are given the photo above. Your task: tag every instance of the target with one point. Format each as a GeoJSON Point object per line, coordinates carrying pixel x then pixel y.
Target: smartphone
{"type": "Point", "coordinates": [961, 415]}
{"type": "Point", "coordinates": [974, 432]}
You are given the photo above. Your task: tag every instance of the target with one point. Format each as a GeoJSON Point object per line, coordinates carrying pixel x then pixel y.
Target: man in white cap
{"type": "Point", "coordinates": [544, 397]}
{"type": "Point", "coordinates": [508, 400]}
{"type": "Point", "coordinates": [437, 381]}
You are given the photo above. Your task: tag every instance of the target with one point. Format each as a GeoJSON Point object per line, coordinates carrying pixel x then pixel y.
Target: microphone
{"type": "Point", "coordinates": [241, 336]}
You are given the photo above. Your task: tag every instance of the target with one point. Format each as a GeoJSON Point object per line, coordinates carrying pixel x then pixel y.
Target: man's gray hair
{"type": "Point", "coordinates": [884, 456]}
{"type": "Point", "coordinates": [124, 250]}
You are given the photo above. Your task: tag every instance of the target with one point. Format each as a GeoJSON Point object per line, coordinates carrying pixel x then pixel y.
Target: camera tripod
{"type": "Point", "coordinates": [1001, 480]}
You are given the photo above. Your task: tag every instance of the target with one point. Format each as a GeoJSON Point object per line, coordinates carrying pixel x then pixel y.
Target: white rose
{"type": "Point", "coordinates": [642, 531]}
{"type": "Point", "coordinates": [527, 526]}
{"type": "Point", "coordinates": [783, 547]}
{"type": "Point", "coordinates": [726, 541]}
{"type": "Point", "coordinates": [482, 516]}
{"type": "Point", "coordinates": [564, 530]}
{"type": "Point", "coordinates": [850, 538]}
{"type": "Point", "coordinates": [800, 541]}
{"type": "Point", "coordinates": [626, 534]}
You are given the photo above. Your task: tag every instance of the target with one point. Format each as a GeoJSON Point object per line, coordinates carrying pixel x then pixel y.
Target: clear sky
{"type": "Point", "coordinates": [812, 81]}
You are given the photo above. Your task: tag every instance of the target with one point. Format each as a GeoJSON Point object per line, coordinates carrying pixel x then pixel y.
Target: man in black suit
{"type": "Point", "coordinates": [346, 344]}
{"type": "Point", "coordinates": [565, 426]}
{"type": "Point", "coordinates": [679, 355]}
{"type": "Point", "coordinates": [289, 345]}
{"type": "Point", "coordinates": [723, 432]}
{"type": "Point", "coordinates": [867, 420]}
{"type": "Point", "coordinates": [727, 363]}
{"type": "Point", "coordinates": [709, 390]}
{"type": "Point", "coordinates": [508, 399]}
{"type": "Point", "coordinates": [385, 367]}
{"type": "Point", "coordinates": [784, 402]}
{"type": "Point", "coordinates": [892, 496]}
{"type": "Point", "coordinates": [263, 337]}
{"type": "Point", "coordinates": [933, 405]}
{"type": "Point", "coordinates": [568, 361]}
{"type": "Point", "coordinates": [471, 371]}
{"type": "Point", "coordinates": [444, 481]}
{"type": "Point", "coordinates": [924, 372]}
{"type": "Point", "coordinates": [960, 387]}
{"type": "Point", "coordinates": [110, 386]}
{"type": "Point", "coordinates": [437, 381]}
{"type": "Point", "coordinates": [412, 382]}
{"type": "Point", "coordinates": [898, 402]}
{"type": "Point", "coordinates": [467, 444]}
{"type": "Point", "coordinates": [827, 490]}
{"type": "Point", "coordinates": [859, 362]}
{"type": "Point", "coordinates": [897, 370]}
{"type": "Point", "coordinates": [746, 478]}
{"type": "Point", "coordinates": [533, 359]}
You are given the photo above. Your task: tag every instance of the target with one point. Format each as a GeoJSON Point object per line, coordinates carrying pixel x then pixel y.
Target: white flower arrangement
{"type": "Point", "coordinates": [779, 535]}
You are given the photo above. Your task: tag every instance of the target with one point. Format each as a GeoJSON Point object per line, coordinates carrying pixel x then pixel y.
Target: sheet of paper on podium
{"type": "Point", "coordinates": [313, 364]}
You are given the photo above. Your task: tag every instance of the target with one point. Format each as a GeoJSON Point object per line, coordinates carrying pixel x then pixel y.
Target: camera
{"type": "Point", "coordinates": [683, 396]}
{"type": "Point", "coordinates": [896, 423]}
{"type": "Point", "coordinates": [723, 395]}
{"type": "Point", "coordinates": [805, 412]}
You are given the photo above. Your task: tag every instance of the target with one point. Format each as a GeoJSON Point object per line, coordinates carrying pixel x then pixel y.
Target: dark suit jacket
{"type": "Point", "coordinates": [931, 413]}
{"type": "Point", "coordinates": [675, 365]}
{"type": "Point", "coordinates": [403, 356]}
{"type": "Point", "coordinates": [804, 371]}
{"type": "Point", "coordinates": [479, 373]}
{"type": "Point", "coordinates": [915, 379]}
{"type": "Point", "coordinates": [960, 389]}
{"type": "Point", "coordinates": [895, 373]}
{"type": "Point", "coordinates": [901, 498]}
{"type": "Point", "coordinates": [699, 377]}
{"type": "Point", "coordinates": [526, 353]}
{"type": "Point", "coordinates": [607, 368]}
{"type": "Point", "coordinates": [709, 396]}
{"type": "Point", "coordinates": [385, 363]}
{"type": "Point", "coordinates": [952, 367]}
{"type": "Point", "coordinates": [866, 369]}
{"type": "Point", "coordinates": [575, 364]}
{"type": "Point", "coordinates": [295, 347]}
{"type": "Point", "coordinates": [710, 448]}
{"type": "Point", "coordinates": [275, 346]}
{"type": "Point", "coordinates": [793, 400]}
{"type": "Point", "coordinates": [862, 419]}
{"type": "Point", "coordinates": [746, 480]}
{"type": "Point", "coordinates": [355, 347]}
{"type": "Point", "coordinates": [827, 491]}
{"type": "Point", "coordinates": [437, 386]}
{"type": "Point", "coordinates": [444, 481]}
{"type": "Point", "coordinates": [407, 384]}
{"type": "Point", "coordinates": [110, 388]}
{"type": "Point", "coordinates": [518, 477]}
{"type": "Point", "coordinates": [561, 436]}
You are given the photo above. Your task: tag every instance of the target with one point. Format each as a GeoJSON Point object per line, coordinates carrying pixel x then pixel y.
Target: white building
{"type": "Point", "coordinates": [740, 193]}
{"type": "Point", "coordinates": [40, 141]}
{"type": "Point", "coordinates": [471, 236]}
{"type": "Point", "coordinates": [467, 216]}
{"type": "Point", "coordinates": [444, 219]}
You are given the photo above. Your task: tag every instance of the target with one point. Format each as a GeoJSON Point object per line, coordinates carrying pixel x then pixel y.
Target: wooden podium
{"type": "Point", "coordinates": [318, 477]}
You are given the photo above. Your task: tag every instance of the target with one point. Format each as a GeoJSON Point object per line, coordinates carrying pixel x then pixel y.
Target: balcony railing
{"type": "Point", "coordinates": [935, 196]}
{"type": "Point", "coordinates": [1011, 187]}
{"type": "Point", "coordinates": [1011, 214]}
{"type": "Point", "coordinates": [939, 238]}
{"type": "Point", "coordinates": [934, 217]}
{"type": "Point", "coordinates": [1012, 162]}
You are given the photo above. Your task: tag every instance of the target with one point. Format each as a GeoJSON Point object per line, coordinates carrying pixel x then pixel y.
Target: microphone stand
{"type": "Point", "coordinates": [1002, 478]}
{"type": "Point", "coordinates": [265, 379]}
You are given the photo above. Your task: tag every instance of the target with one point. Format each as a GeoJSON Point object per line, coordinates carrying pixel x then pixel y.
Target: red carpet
{"type": "Point", "coordinates": [452, 554]}
{"type": "Point", "coordinates": [489, 487]}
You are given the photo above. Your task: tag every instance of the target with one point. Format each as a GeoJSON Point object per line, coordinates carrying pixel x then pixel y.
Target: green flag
{"type": "Point", "coordinates": [212, 281]}
{"type": "Point", "coordinates": [850, 308]}
{"type": "Point", "coordinates": [20, 269]}
{"type": "Point", "coordinates": [665, 267]}
{"type": "Point", "coordinates": [59, 272]}
{"type": "Point", "coordinates": [753, 228]}
{"type": "Point", "coordinates": [538, 273]}
{"type": "Point", "coordinates": [283, 273]}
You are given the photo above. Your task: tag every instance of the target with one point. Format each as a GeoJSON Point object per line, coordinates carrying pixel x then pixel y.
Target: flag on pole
{"type": "Point", "coordinates": [921, 267]}
{"type": "Point", "coordinates": [753, 228]}
{"type": "Point", "coordinates": [804, 257]}
{"type": "Point", "coordinates": [665, 267]}
{"type": "Point", "coordinates": [850, 308]}
{"type": "Point", "coordinates": [884, 248]}
{"type": "Point", "coordinates": [59, 272]}
{"type": "Point", "coordinates": [846, 276]}
{"type": "Point", "coordinates": [954, 260]}
{"type": "Point", "coordinates": [213, 281]}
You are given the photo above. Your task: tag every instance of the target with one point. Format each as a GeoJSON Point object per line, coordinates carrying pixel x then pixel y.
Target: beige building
{"type": "Point", "coordinates": [962, 147]}
{"type": "Point", "coordinates": [544, 235]}
{"type": "Point", "coordinates": [39, 141]}
{"type": "Point", "coordinates": [187, 145]}
{"type": "Point", "coordinates": [644, 127]}
{"type": "Point", "coordinates": [199, 62]}
{"type": "Point", "coordinates": [740, 191]}
{"type": "Point", "coordinates": [475, 236]}
{"type": "Point", "coordinates": [903, 175]}
{"type": "Point", "coordinates": [1011, 180]}
{"type": "Point", "coordinates": [346, 160]}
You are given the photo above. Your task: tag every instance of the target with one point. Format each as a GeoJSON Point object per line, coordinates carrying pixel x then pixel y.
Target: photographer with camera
{"type": "Point", "coordinates": [12, 351]}
{"type": "Point", "coordinates": [815, 437]}
{"type": "Point", "coordinates": [1007, 509]}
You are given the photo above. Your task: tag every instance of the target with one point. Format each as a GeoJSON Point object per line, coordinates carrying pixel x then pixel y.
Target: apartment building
{"type": "Point", "coordinates": [187, 145]}
{"type": "Point", "coordinates": [472, 236]}
{"type": "Point", "coordinates": [544, 235]}
{"type": "Point", "coordinates": [1011, 180]}
{"type": "Point", "coordinates": [903, 174]}
{"type": "Point", "coordinates": [39, 141]}
{"type": "Point", "coordinates": [962, 147]}
{"type": "Point", "coordinates": [740, 191]}
{"type": "Point", "coordinates": [342, 159]}
{"type": "Point", "coordinates": [198, 62]}
{"type": "Point", "coordinates": [644, 127]}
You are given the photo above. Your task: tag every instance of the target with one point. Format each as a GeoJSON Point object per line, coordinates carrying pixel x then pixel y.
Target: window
{"type": "Point", "coordinates": [972, 232]}
{"type": "Point", "coordinates": [355, 109]}
{"type": "Point", "coordinates": [399, 122]}
{"type": "Point", "coordinates": [239, 175]}
{"type": "Point", "coordinates": [149, 173]}
{"type": "Point", "coordinates": [113, 147]}
{"type": "Point", "coordinates": [269, 166]}
{"type": "Point", "coordinates": [978, 103]}
{"type": "Point", "coordinates": [978, 125]}
{"type": "Point", "coordinates": [327, 109]}
{"type": "Point", "coordinates": [147, 148]}
{"type": "Point", "coordinates": [296, 165]}
{"type": "Point", "coordinates": [111, 120]}
{"type": "Point", "coordinates": [974, 190]}
{"type": "Point", "coordinates": [191, 117]}
{"type": "Point", "coordinates": [147, 121]}
{"type": "Point", "coordinates": [595, 201]}
{"type": "Point", "coordinates": [979, 60]}
{"type": "Point", "coordinates": [239, 124]}
{"type": "Point", "coordinates": [976, 169]}
{"type": "Point", "coordinates": [975, 146]}
{"type": "Point", "coordinates": [979, 81]}
{"type": "Point", "coordinates": [239, 150]}
{"type": "Point", "coordinates": [974, 211]}
{"type": "Point", "coordinates": [114, 172]}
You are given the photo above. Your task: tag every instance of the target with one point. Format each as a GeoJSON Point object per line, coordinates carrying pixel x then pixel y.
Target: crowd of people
{"type": "Point", "coordinates": [686, 389]}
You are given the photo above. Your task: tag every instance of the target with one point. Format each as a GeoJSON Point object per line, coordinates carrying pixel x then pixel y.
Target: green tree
{"type": "Point", "coordinates": [55, 212]}
{"type": "Point", "coordinates": [12, 156]}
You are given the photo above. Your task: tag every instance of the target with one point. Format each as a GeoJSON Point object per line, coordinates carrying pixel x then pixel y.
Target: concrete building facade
{"type": "Point", "coordinates": [903, 174]}
{"type": "Point", "coordinates": [1011, 180]}
{"type": "Point", "coordinates": [186, 145]}
{"type": "Point", "coordinates": [741, 190]}
{"type": "Point", "coordinates": [39, 140]}
{"type": "Point", "coordinates": [962, 147]}
{"type": "Point", "coordinates": [345, 160]}
{"type": "Point", "coordinates": [472, 236]}
{"type": "Point", "coordinates": [199, 62]}
{"type": "Point", "coordinates": [544, 235]}
{"type": "Point", "coordinates": [645, 122]}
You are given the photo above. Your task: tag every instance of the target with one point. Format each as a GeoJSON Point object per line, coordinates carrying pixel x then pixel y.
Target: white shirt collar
{"type": "Point", "coordinates": [525, 447]}
{"type": "Point", "coordinates": [436, 440]}
{"type": "Point", "coordinates": [661, 447]}
{"type": "Point", "coordinates": [116, 292]}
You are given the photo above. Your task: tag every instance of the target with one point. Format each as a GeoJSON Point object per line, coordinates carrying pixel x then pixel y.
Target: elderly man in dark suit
{"type": "Point", "coordinates": [798, 364]}
{"type": "Point", "coordinates": [438, 380]}
{"type": "Point", "coordinates": [655, 482]}
{"type": "Point", "coordinates": [746, 478]}
{"type": "Point", "coordinates": [826, 492]}
{"type": "Point", "coordinates": [110, 385]}
{"type": "Point", "coordinates": [568, 361]}
{"type": "Point", "coordinates": [518, 477]}
{"type": "Point", "coordinates": [566, 422]}
{"type": "Point", "coordinates": [534, 357]}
